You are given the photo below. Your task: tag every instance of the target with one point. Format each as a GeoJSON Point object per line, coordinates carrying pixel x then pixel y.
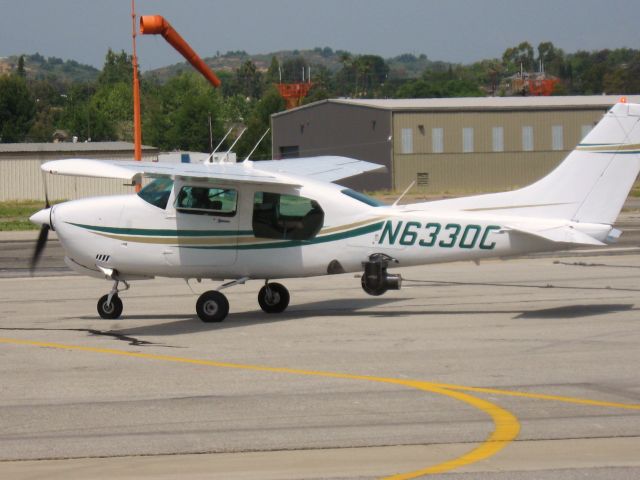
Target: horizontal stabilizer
{"type": "Point", "coordinates": [559, 234]}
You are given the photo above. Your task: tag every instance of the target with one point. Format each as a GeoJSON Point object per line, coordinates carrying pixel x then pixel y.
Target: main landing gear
{"type": "Point", "coordinates": [213, 306]}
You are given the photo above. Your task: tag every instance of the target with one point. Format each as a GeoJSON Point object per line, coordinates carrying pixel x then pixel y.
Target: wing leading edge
{"type": "Point", "coordinates": [283, 172]}
{"type": "Point", "coordinates": [134, 171]}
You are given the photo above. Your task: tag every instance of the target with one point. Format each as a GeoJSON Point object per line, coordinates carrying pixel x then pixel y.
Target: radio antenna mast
{"type": "Point", "coordinates": [236, 141]}
{"type": "Point", "coordinates": [219, 145]}
{"type": "Point", "coordinates": [256, 145]}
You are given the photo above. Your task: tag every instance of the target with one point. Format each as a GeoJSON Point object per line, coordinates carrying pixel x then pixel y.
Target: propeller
{"type": "Point", "coordinates": [41, 243]}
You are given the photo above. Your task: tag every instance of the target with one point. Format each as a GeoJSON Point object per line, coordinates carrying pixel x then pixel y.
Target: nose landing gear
{"type": "Point", "coordinates": [110, 306]}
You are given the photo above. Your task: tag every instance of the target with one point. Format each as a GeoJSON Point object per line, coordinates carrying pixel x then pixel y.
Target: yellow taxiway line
{"type": "Point", "coordinates": [506, 425]}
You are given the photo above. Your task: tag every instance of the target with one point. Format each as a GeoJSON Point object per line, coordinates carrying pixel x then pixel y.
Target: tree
{"type": "Point", "coordinates": [117, 68]}
{"type": "Point", "coordinates": [552, 58]}
{"type": "Point", "coordinates": [624, 78]}
{"type": "Point", "coordinates": [181, 121]}
{"type": "Point", "coordinates": [361, 76]}
{"type": "Point", "coordinates": [292, 69]}
{"type": "Point", "coordinates": [21, 71]}
{"type": "Point", "coordinates": [372, 71]}
{"type": "Point", "coordinates": [114, 102]}
{"type": "Point", "coordinates": [273, 74]}
{"type": "Point", "coordinates": [518, 57]}
{"type": "Point", "coordinates": [257, 124]}
{"type": "Point", "coordinates": [322, 84]}
{"type": "Point", "coordinates": [17, 109]}
{"type": "Point", "coordinates": [249, 80]}
{"type": "Point", "coordinates": [417, 89]}
{"type": "Point", "coordinates": [49, 107]}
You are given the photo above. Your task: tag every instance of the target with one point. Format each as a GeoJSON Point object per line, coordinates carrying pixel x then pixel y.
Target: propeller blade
{"type": "Point", "coordinates": [40, 244]}
{"type": "Point", "coordinates": [46, 193]}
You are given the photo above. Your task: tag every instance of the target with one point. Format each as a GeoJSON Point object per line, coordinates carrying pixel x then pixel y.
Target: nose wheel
{"type": "Point", "coordinates": [110, 309]}
{"type": "Point", "coordinates": [110, 306]}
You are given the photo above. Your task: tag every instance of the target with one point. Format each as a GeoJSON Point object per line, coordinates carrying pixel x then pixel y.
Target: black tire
{"type": "Point", "coordinates": [212, 306]}
{"type": "Point", "coordinates": [273, 298]}
{"type": "Point", "coordinates": [110, 311]}
{"type": "Point", "coordinates": [376, 292]}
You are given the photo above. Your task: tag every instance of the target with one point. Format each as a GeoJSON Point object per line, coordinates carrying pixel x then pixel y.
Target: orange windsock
{"type": "Point", "coordinates": [156, 24]}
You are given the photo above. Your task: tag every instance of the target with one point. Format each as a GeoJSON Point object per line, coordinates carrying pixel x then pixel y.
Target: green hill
{"type": "Point", "coordinates": [402, 66]}
{"type": "Point", "coordinates": [38, 67]}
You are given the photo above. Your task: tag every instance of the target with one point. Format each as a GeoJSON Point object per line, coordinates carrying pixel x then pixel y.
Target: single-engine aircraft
{"type": "Point", "coordinates": [274, 219]}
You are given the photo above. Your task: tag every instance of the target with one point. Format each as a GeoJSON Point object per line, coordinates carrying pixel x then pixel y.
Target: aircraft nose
{"type": "Point", "coordinates": [43, 217]}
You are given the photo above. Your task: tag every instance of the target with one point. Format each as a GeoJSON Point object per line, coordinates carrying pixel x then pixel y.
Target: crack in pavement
{"type": "Point", "coordinates": [136, 342]}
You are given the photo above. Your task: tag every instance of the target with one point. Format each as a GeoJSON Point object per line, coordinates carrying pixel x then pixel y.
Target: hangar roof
{"type": "Point", "coordinates": [65, 147]}
{"type": "Point", "coordinates": [480, 103]}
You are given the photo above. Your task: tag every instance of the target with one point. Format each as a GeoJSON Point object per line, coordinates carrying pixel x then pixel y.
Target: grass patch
{"type": "Point", "coordinates": [15, 215]}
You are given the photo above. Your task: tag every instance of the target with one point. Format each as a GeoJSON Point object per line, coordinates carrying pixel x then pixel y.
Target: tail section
{"type": "Point", "coordinates": [613, 152]}
{"type": "Point", "coordinates": [589, 186]}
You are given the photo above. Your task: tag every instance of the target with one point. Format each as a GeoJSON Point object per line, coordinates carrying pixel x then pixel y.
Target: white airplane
{"type": "Point", "coordinates": [284, 218]}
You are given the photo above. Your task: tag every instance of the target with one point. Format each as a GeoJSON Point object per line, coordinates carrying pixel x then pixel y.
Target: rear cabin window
{"type": "Point", "coordinates": [157, 192]}
{"type": "Point", "coordinates": [361, 197]}
{"type": "Point", "coordinates": [286, 217]}
{"type": "Point", "coordinates": [207, 201]}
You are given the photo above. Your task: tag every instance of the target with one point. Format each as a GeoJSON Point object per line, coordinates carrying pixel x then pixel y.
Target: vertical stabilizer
{"type": "Point", "coordinates": [589, 186]}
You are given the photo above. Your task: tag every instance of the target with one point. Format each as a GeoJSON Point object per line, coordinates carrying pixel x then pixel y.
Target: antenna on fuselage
{"type": "Point", "coordinates": [236, 141]}
{"type": "Point", "coordinates": [404, 193]}
{"type": "Point", "coordinates": [219, 145]}
{"type": "Point", "coordinates": [256, 145]}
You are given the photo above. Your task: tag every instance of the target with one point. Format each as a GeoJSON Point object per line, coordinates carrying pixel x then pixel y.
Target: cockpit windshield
{"type": "Point", "coordinates": [157, 192]}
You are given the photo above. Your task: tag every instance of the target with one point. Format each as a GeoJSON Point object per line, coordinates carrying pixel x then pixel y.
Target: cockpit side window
{"type": "Point", "coordinates": [286, 217]}
{"type": "Point", "coordinates": [207, 201]}
{"type": "Point", "coordinates": [157, 192]}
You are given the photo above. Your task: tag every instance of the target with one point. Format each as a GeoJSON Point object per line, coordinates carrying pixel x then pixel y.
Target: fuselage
{"type": "Point", "coordinates": [264, 231]}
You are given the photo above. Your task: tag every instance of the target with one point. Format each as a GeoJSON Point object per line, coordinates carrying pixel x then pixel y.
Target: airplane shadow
{"type": "Point", "coordinates": [191, 324]}
{"type": "Point", "coordinates": [575, 311]}
{"type": "Point", "coordinates": [186, 324]}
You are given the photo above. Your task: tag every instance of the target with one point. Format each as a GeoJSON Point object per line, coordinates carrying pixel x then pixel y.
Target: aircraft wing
{"type": "Point", "coordinates": [282, 172]}
{"type": "Point", "coordinates": [325, 168]}
{"type": "Point", "coordinates": [134, 171]}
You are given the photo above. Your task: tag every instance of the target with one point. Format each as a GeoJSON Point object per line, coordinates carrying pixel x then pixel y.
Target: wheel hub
{"type": "Point", "coordinates": [272, 298]}
{"type": "Point", "coordinates": [210, 307]}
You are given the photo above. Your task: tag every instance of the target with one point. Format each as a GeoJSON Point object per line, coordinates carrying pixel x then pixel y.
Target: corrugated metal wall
{"type": "Point", "coordinates": [483, 170]}
{"type": "Point", "coordinates": [21, 179]}
{"type": "Point", "coordinates": [334, 129]}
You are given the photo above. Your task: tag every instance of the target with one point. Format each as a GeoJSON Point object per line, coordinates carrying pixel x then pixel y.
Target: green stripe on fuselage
{"type": "Point", "coordinates": [298, 243]}
{"type": "Point", "coordinates": [146, 232]}
{"type": "Point", "coordinates": [374, 227]}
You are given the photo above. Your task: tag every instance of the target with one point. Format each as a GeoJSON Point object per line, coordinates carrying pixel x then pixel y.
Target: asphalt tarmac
{"type": "Point", "coordinates": [512, 369]}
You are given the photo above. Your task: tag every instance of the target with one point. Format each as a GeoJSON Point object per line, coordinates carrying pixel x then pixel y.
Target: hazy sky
{"type": "Point", "coordinates": [450, 30]}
